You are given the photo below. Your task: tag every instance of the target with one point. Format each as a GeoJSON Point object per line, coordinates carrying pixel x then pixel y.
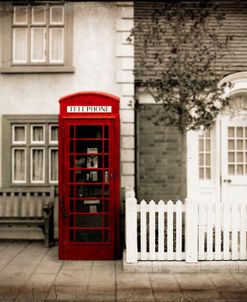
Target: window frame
{"type": "Point", "coordinates": [204, 136]}
{"type": "Point", "coordinates": [44, 55]}
{"type": "Point", "coordinates": [13, 149]}
{"type": "Point", "coordinates": [44, 178]}
{"type": "Point", "coordinates": [32, 16]}
{"type": "Point", "coordinates": [20, 23]}
{"type": "Point", "coordinates": [14, 46]}
{"type": "Point", "coordinates": [14, 142]}
{"type": "Point", "coordinates": [50, 149]}
{"type": "Point", "coordinates": [8, 122]}
{"type": "Point", "coordinates": [50, 17]}
{"type": "Point", "coordinates": [52, 142]}
{"type": "Point", "coordinates": [33, 142]}
{"type": "Point", "coordinates": [37, 67]}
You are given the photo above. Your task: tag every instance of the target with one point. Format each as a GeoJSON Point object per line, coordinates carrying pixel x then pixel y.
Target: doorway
{"type": "Point", "coordinates": [217, 158]}
{"type": "Point", "coordinates": [233, 158]}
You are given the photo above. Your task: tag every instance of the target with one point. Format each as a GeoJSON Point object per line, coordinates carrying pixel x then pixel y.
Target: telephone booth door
{"type": "Point", "coordinates": [89, 180]}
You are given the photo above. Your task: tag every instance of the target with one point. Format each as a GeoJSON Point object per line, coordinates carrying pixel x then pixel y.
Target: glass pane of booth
{"type": "Point", "coordinates": [89, 177]}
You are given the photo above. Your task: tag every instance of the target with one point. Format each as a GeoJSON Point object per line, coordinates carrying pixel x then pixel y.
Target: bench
{"type": "Point", "coordinates": [23, 209]}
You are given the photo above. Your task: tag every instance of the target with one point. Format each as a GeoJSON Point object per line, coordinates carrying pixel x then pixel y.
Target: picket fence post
{"type": "Point", "coordinates": [191, 231]}
{"type": "Point", "coordinates": [131, 227]}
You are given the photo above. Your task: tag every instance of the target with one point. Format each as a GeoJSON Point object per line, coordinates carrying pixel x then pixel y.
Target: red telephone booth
{"type": "Point", "coordinates": [89, 164]}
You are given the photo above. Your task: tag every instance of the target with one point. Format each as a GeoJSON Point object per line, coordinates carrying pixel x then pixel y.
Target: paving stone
{"type": "Point", "coordinates": [242, 278]}
{"type": "Point", "coordinates": [170, 297]}
{"type": "Point", "coordinates": [50, 262]}
{"type": "Point", "coordinates": [14, 278]}
{"type": "Point", "coordinates": [66, 293]}
{"type": "Point", "coordinates": [193, 281]}
{"type": "Point", "coordinates": [31, 255]}
{"type": "Point", "coordinates": [101, 286]}
{"type": "Point", "coordinates": [165, 287]}
{"type": "Point", "coordinates": [102, 281]}
{"type": "Point", "coordinates": [49, 279]}
{"type": "Point", "coordinates": [101, 297]}
{"type": "Point", "coordinates": [100, 266]}
{"type": "Point", "coordinates": [36, 288]}
{"type": "Point", "coordinates": [119, 266]}
{"type": "Point", "coordinates": [234, 294]}
{"type": "Point", "coordinates": [10, 252]}
{"type": "Point", "coordinates": [133, 287]}
{"type": "Point", "coordinates": [9, 292]}
{"type": "Point", "coordinates": [136, 294]}
{"type": "Point", "coordinates": [77, 265]}
{"type": "Point", "coordinates": [72, 278]}
{"type": "Point", "coordinates": [47, 267]}
{"type": "Point", "coordinates": [4, 244]}
{"type": "Point", "coordinates": [224, 280]}
{"type": "Point", "coordinates": [32, 294]}
{"type": "Point", "coordinates": [202, 295]}
{"type": "Point", "coordinates": [164, 281]}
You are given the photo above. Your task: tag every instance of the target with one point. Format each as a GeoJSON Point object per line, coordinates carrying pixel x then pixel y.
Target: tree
{"type": "Point", "coordinates": [180, 47]}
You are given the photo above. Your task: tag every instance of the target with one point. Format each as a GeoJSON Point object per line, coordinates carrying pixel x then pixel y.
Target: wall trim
{"type": "Point", "coordinates": [125, 78]}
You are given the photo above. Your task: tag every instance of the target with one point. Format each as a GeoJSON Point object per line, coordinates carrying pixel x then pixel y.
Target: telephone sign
{"type": "Point", "coordinates": [89, 109]}
{"type": "Point", "coordinates": [89, 186]}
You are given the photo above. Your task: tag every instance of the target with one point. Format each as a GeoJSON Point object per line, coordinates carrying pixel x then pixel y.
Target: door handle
{"type": "Point", "coordinates": [65, 215]}
{"type": "Point", "coordinates": [227, 180]}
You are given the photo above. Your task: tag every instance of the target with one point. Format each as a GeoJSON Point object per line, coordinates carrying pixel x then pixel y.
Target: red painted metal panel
{"type": "Point", "coordinates": [89, 176]}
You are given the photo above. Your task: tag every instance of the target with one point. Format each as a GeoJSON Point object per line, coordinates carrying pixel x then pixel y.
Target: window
{"type": "Point", "coordinates": [33, 146]}
{"type": "Point", "coordinates": [205, 155]}
{"type": "Point", "coordinates": [237, 150]}
{"type": "Point", "coordinates": [39, 38]}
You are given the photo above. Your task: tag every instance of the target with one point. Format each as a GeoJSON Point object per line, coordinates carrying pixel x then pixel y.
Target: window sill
{"type": "Point", "coordinates": [37, 69]}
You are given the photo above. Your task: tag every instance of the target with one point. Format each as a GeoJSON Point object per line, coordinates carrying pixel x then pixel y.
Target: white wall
{"type": "Point", "coordinates": [103, 62]}
{"type": "Point", "coordinates": [94, 47]}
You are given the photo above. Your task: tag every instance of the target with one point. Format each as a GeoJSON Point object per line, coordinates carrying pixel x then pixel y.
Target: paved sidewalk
{"type": "Point", "coordinates": [30, 272]}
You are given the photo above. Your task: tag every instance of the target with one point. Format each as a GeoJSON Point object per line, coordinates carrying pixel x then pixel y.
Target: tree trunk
{"type": "Point", "coordinates": [183, 175]}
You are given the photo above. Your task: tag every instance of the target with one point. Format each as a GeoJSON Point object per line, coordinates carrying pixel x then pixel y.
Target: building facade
{"type": "Point", "coordinates": [50, 50]}
{"type": "Point", "coordinates": [53, 49]}
{"type": "Point", "coordinates": [216, 158]}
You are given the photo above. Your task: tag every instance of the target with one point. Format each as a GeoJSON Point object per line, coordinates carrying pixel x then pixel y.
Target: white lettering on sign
{"type": "Point", "coordinates": [89, 109]}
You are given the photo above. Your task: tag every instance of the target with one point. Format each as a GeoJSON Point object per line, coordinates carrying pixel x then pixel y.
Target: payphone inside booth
{"type": "Point", "coordinates": [89, 186]}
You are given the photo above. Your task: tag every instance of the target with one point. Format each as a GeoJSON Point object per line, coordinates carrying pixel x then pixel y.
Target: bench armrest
{"type": "Point", "coordinates": [48, 209]}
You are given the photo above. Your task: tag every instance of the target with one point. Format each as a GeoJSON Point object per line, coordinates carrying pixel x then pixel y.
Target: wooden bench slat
{"type": "Point", "coordinates": [18, 221]}
{"type": "Point", "coordinates": [26, 206]}
{"type": "Point", "coordinates": [2, 207]}
{"type": "Point", "coordinates": [39, 207]}
{"type": "Point", "coordinates": [16, 203]}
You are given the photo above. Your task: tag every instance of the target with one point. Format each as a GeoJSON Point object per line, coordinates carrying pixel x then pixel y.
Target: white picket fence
{"type": "Point", "coordinates": [192, 231]}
